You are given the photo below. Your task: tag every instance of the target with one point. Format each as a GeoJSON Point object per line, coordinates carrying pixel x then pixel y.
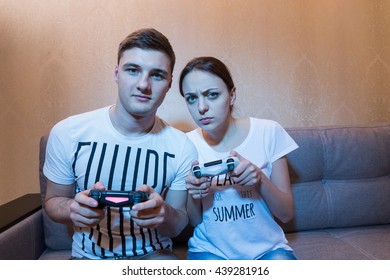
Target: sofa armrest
{"type": "Point", "coordinates": [21, 229]}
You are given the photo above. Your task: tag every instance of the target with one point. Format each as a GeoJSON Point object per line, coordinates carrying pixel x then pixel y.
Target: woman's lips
{"type": "Point", "coordinates": [205, 121]}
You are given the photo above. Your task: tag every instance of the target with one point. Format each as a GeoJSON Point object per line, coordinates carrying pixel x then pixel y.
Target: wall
{"type": "Point", "coordinates": [301, 62]}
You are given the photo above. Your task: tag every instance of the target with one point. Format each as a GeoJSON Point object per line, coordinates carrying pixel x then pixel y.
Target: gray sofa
{"type": "Point", "coordinates": [341, 184]}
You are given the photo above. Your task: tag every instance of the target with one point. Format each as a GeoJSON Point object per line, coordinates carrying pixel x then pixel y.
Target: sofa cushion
{"type": "Point", "coordinates": [358, 202]}
{"type": "Point", "coordinates": [355, 243]}
{"type": "Point", "coordinates": [306, 164]}
{"type": "Point", "coordinates": [340, 177]}
{"type": "Point", "coordinates": [353, 153]}
{"type": "Point", "coordinates": [50, 254]}
{"type": "Point", "coordinates": [23, 241]}
{"type": "Point", "coordinates": [311, 207]}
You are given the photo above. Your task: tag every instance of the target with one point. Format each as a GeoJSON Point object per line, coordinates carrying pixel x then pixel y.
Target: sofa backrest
{"type": "Point", "coordinates": [340, 176]}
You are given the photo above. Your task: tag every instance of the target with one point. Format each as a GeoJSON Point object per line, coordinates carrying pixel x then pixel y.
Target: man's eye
{"type": "Point", "coordinates": [131, 70]}
{"type": "Point", "coordinates": [191, 99]}
{"type": "Point", "coordinates": [158, 76]}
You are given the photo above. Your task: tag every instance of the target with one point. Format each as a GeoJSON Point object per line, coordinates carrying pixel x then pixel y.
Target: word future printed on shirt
{"type": "Point", "coordinates": [123, 167]}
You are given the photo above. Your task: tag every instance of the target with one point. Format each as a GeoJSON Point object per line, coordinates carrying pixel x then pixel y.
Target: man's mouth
{"type": "Point", "coordinates": [142, 97]}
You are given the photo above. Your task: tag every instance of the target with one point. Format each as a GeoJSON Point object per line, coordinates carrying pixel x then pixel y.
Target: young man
{"type": "Point", "coordinates": [123, 147]}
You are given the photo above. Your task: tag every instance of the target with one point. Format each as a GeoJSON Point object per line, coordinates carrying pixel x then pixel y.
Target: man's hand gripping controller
{"type": "Point", "coordinates": [214, 168]}
{"type": "Point", "coordinates": [118, 198]}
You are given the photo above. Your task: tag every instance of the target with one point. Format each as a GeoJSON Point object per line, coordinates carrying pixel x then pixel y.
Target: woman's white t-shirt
{"type": "Point", "coordinates": [237, 223]}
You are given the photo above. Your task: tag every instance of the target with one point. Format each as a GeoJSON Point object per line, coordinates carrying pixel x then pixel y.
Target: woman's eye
{"type": "Point", "coordinates": [191, 99]}
{"type": "Point", "coordinates": [212, 95]}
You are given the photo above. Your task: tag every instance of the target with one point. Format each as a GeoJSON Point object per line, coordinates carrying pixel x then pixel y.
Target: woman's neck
{"type": "Point", "coordinates": [228, 136]}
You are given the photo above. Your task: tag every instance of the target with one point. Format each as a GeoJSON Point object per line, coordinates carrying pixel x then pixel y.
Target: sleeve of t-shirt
{"type": "Point", "coordinates": [282, 143]}
{"type": "Point", "coordinates": [58, 167]}
{"type": "Point", "coordinates": [187, 157]}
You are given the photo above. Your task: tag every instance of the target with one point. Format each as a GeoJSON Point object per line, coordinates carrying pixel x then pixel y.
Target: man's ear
{"type": "Point", "coordinates": [116, 73]}
{"type": "Point", "coordinates": [170, 82]}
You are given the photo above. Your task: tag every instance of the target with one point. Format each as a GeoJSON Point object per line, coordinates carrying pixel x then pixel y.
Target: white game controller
{"type": "Point", "coordinates": [214, 168]}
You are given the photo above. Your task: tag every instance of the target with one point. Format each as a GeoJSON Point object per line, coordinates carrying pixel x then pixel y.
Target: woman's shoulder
{"type": "Point", "coordinates": [263, 122]}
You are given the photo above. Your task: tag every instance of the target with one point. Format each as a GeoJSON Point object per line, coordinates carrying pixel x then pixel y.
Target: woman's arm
{"type": "Point", "coordinates": [276, 191]}
{"type": "Point", "coordinates": [194, 210]}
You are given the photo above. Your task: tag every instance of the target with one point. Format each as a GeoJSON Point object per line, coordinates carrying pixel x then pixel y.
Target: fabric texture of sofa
{"type": "Point", "coordinates": [340, 179]}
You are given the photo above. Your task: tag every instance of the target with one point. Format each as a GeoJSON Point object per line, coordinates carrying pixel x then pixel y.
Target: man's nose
{"type": "Point", "coordinates": [143, 84]}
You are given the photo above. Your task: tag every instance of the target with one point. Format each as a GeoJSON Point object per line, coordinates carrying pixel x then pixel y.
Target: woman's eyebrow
{"type": "Point", "coordinates": [205, 92]}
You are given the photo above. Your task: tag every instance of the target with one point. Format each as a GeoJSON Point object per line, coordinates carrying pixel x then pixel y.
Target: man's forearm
{"type": "Point", "coordinates": [58, 209]}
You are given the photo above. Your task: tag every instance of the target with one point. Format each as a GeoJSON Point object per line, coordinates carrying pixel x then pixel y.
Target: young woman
{"type": "Point", "coordinates": [233, 213]}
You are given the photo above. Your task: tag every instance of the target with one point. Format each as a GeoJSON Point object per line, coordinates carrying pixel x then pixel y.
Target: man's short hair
{"type": "Point", "coordinates": [148, 39]}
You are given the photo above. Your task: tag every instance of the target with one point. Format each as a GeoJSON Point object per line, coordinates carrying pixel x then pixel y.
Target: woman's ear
{"type": "Point", "coordinates": [232, 96]}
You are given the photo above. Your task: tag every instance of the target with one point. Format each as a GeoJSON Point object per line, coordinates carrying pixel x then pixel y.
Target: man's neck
{"type": "Point", "coordinates": [129, 125]}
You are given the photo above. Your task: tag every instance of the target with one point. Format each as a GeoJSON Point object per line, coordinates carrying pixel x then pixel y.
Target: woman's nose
{"type": "Point", "coordinates": [203, 107]}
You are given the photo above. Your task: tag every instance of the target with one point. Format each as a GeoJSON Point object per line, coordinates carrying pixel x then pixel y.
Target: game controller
{"type": "Point", "coordinates": [214, 168]}
{"type": "Point", "coordinates": [118, 198]}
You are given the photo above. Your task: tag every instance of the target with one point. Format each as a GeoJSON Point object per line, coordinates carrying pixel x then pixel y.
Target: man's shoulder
{"type": "Point", "coordinates": [173, 136]}
{"type": "Point", "coordinates": [80, 123]}
{"type": "Point", "coordinates": [163, 126]}
{"type": "Point", "coordinates": [93, 114]}
{"type": "Point", "coordinates": [84, 118]}
{"type": "Point", "coordinates": [195, 135]}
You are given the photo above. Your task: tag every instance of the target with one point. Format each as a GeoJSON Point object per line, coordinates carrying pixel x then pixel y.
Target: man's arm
{"type": "Point", "coordinates": [81, 210]}
{"type": "Point", "coordinates": [57, 201]}
{"type": "Point", "coordinates": [169, 216]}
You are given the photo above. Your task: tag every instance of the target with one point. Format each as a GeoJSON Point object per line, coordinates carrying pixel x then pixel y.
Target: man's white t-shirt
{"type": "Point", "coordinates": [86, 148]}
